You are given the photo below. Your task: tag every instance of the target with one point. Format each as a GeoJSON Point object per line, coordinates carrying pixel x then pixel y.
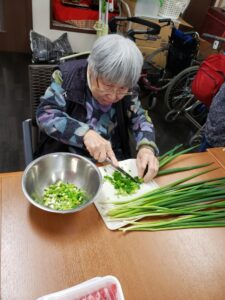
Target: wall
{"type": "Point", "coordinates": [41, 24]}
{"type": "Point", "coordinates": [196, 12]}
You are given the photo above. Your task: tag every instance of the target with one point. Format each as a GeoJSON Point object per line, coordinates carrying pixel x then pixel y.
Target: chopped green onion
{"type": "Point", "coordinates": [63, 196]}
{"type": "Point", "coordinates": [123, 184]}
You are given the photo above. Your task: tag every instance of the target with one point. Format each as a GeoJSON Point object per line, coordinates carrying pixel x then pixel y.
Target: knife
{"type": "Point", "coordinates": [121, 170]}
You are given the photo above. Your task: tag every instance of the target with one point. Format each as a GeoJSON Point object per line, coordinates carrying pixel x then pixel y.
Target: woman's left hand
{"type": "Point", "coordinates": [146, 160]}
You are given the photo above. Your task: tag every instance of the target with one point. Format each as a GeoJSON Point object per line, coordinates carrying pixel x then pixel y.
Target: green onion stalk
{"type": "Point", "coordinates": [181, 204]}
{"type": "Point", "coordinates": [172, 154]}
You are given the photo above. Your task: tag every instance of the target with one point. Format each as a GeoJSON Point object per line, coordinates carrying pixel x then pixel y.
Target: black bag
{"type": "Point", "coordinates": [182, 49]}
{"type": "Point", "coordinates": [46, 51]}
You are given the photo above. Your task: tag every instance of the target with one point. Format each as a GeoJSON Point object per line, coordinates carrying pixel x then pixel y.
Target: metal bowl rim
{"type": "Point", "coordinates": [31, 164]}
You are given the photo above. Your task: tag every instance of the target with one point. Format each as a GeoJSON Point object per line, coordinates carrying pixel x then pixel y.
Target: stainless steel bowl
{"type": "Point", "coordinates": [67, 167]}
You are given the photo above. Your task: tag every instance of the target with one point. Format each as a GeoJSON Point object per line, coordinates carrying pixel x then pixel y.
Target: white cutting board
{"type": "Point", "coordinates": [108, 193]}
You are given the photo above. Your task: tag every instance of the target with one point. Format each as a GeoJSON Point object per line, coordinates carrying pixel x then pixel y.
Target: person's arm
{"type": "Point", "coordinates": [52, 117]}
{"type": "Point", "coordinates": [141, 125]}
{"type": "Point", "coordinates": [144, 134]}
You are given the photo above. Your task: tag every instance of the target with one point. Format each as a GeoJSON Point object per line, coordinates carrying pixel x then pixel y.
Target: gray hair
{"type": "Point", "coordinates": [116, 59]}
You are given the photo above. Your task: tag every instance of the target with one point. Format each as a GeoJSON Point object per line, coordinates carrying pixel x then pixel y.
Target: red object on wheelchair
{"type": "Point", "coordinates": [209, 78]}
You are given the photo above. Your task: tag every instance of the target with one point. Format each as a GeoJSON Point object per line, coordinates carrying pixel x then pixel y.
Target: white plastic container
{"type": "Point", "coordinates": [86, 288]}
{"type": "Point", "coordinates": [173, 8]}
{"type": "Point", "coordinates": [147, 8]}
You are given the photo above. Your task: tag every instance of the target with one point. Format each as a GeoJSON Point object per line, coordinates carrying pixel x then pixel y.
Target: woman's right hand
{"type": "Point", "coordinates": [98, 147]}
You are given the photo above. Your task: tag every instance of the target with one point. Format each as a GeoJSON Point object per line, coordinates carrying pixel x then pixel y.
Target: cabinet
{"type": "Point", "coordinates": [214, 22]}
{"type": "Point", "coordinates": [196, 12]}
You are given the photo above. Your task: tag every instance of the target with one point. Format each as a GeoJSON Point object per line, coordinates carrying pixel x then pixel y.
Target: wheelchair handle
{"type": "Point", "coordinates": [132, 32]}
{"type": "Point", "coordinates": [155, 28]}
{"type": "Point", "coordinates": [213, 37]}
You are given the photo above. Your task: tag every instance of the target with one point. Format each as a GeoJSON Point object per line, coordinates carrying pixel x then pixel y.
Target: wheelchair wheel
{"type": "Point", "coordinates": [178, 94]}
{"type": "Point", "coordinates": [199, 112]}
{"type": "Point", "coordinates": [172, 116]}
{"type": "Point", "coordinates": [155, 66]}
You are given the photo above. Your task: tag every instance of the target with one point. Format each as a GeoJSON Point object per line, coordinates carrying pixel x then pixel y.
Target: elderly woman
{"type": "Point", "coordinates": [78, 110]}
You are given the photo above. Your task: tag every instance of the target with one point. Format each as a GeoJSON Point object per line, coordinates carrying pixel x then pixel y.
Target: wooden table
{"type": "Point", "coordinates": [43, 252]}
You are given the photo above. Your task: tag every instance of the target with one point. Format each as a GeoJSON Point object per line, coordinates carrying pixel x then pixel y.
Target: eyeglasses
{"type": "Point", "coordinates": [106, 89]}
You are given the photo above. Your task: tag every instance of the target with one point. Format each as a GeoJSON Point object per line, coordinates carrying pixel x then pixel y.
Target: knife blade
{"type": "Point", "coordinates": [121, 170]}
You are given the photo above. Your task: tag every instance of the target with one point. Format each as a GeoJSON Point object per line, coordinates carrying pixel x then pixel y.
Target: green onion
{"type": "Point", "coordinates": [176, 170]}
{"type": "Point", "coordinates": [182, 205]}
{"type": "Point", "coordinates": [123, 184]}
{"type": "Point", "coordinates": [171, 155]}
{"type": "Point", "coordinates": [63, 196]}
{"type": "Point", "coordinates": [170, 152]}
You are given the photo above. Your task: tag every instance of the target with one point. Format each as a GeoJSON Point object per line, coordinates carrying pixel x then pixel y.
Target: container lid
{"type": "Point", "coordinates": [108, 287]}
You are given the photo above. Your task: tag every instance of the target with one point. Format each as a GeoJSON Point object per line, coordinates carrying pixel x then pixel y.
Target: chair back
{"type": "Point", "coordinates": [39, 80]}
